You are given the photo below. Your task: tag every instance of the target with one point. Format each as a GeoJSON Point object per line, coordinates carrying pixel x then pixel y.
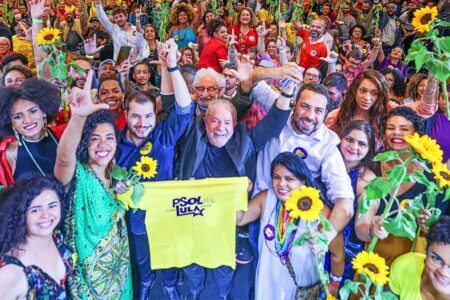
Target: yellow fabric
{"type": "Point", "coordinates": [192, 221]}
{"type": "Point", "coordinates": [25, 48]}
{"type": "Point", "coordinates": [264, 15]}
{"type": "Point", "coordinates": [291, 32]}
{"type": "Point", "coordinates": [421, 245]}
{"type": "Point", "coordinates": [407, 287]}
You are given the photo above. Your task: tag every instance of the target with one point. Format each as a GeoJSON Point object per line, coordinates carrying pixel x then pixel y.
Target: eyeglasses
{"type": "Point", "coordinates": [4, 44]}
{"type": "Point", "coordinates": [202, 89]}
{"type": "Point", "coordinates": [355, 63]}
{"type": "Point", "coordinates": [312, 75]}
{"type": "Point", "coordinates": [437, 260]}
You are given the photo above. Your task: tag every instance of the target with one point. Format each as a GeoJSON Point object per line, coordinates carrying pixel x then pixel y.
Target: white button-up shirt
{"type": "Point", "coordinates": [320, 153]}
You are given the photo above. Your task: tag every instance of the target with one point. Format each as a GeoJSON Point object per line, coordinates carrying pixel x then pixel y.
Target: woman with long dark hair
{"type": "Point", "coordinates": [95, 225]}
{"type": "Point", "coordinates": [396, 84]}
{"type": "Point", "coordinates": [34, 260]}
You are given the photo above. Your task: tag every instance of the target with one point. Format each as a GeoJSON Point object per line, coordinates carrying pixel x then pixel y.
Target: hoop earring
{"type": "Point", "coordinates": [16, 134]}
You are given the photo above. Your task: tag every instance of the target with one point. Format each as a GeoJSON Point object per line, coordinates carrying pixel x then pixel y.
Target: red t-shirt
{"type": "Point", "coordinates": [310, 53]}
{"type": "Point", "coordinates": [214, 50]}
{"type": "Point", "coordinates": [246, 41]}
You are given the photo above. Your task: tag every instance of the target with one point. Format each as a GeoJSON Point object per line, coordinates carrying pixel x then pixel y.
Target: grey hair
{"type": "Point", "coordinates": [206, 72]}
{"type": "Point", "coordinates": [222, 81]}
{"type": "Point", "coordinates": [223, 102]}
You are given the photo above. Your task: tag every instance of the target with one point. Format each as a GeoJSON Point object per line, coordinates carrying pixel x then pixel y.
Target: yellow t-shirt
{"type": "Point", "coordinates": [407, 287]}
{"type": "Point", "coordinates": [25, 48]}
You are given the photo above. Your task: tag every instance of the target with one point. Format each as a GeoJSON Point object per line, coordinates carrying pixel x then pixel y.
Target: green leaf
{"type": "Point", "coordinates": [325, 223]}
{"type": "Point", "coordinates": [444, 43]}
{"type": "Point", "coordinates": [378, 291]}
{"type": "Point", "coordinates": [395, 175]}
{"type": "Point", "coordinates": [78, 68]}
{"type": "Point", "coordinates": [348, 287]}
{"type": "Point", "coordinates": [322, 241]}
{"type": "Point", "coordinates": [59, 72]}
{"type": "Point", "coordinates": [388, 296]}
{"type": "Point", "coordinates": [435, 214]}
{"type": "Point", "coordinates": [440, 69]}
{"type": "Point", "coordinates": [138, 192]}
{"type": "Point", "coordinates": [378, 188]}
{"type": "Point", "coordinates": [447, 194]}
{"type": "Point", "coordinates": [420, 178]}
{"type": "Point", "coordinates": [416, 205]}
{"type": "Point", "coordinates": [290, 227]}
{"type": "Point", "coordinates": [403, 225]}
{"type": "Point", "coordinates": [363, 205]}
{"type": "Point", "coordinates": [386, 156]}
{"type": "Point", "coordinates": [419, 54]}
{"type": "Point", "coordinates": [301, 240]}
{"type": "Point", "coordinates": [119, 173]}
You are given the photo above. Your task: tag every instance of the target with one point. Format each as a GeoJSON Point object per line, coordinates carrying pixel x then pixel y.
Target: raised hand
{"type": "Point", "coordinates": [80, 101]}
{"type": "Point", "coordinates": [331, 58]}
{"type": "Point", "coordinates": [244, 68]}
{"type": "Point", "coordinates": [90, 45]}
{"type": "Point", "coordinates": [262, 31]}
{"type": "Point", "coordinates": [38, 9]}
{"type": "Point", "coordinates": [281, 44]}
{"type": "Point", "coordinates": [138, 12]}
{"type": "Point", "coordinates": [28, 32]}
{"type": "Point", "coordinates": [377, 228]}
{"type": "Point", "coordinates": [172, 53]}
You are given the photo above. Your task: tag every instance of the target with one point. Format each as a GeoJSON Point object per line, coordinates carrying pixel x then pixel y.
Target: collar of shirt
{"type": "Point", "coordinates": [319, 134]}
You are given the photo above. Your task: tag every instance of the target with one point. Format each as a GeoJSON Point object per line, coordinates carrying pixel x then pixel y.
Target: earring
{"type": "Point", "coordinates": [45, 126]}
{"type": "Point", "coordinates": [16, 134]}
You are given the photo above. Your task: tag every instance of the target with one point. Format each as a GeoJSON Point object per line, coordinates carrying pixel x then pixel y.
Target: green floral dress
{"type": "Point", "coordinates": [96, 231]}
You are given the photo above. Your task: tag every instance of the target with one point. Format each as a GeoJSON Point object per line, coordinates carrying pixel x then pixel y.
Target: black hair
{"type": "Point", "coordinates": [15, 56]}
{"type": "Point", "coordinates": [336, 80]}
{"type": "Point", "coordinates": [142, 63]}
{"type": "Point", "coordinates": [100, 34]}
{"type": "Point", "coordinates": [316, 88]}
{"type": "Point", "coordinates": [141, 98]}
{"type": "Point", "coordinates": [97, 118]}
{"type": "Point", "coordinates": [354, 54]}
{"type": "Point", "coordinates": [363, 30]}
{"type": "Point", "coordinates": [214, 26]}
{"type": "Point", "coordinates": [294, 164]}
{"type": "Point", "coordinates": [439, 232]}
{"type": "Point", "coordinates": [188, 69]}
{"type": "Point", "coordinates": [102, 80]}
{"type": "Point", "coordinates": [22, 69]}
{"type": "Point", "coordinates": [38, 91]}
{"type": "Point", "coordinates": [119, 10]}
{"type": "Point", "coordinates": [407, 113]}
{"type": "Point", "coordinates": [399, 81]}
{"type": "Point", "coordinates": [14, 203]}
{"type": "Point", "coordinates": [310, 68]}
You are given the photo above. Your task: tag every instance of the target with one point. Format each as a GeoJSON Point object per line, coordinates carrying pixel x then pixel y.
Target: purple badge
{"type": "Point", "coordinates": [301, 152]}
{"type": "Point", "coordinates": [269, 232]}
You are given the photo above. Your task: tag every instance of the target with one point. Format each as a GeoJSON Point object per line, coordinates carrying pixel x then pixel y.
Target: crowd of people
{"type": "Point", "coordinates": [231, 89]}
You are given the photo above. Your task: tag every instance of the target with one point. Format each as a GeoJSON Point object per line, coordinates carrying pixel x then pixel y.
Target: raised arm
{"type": "Point", "coordinates": [262, 32]}
{"type": "Point", "coordinates": [198, 16]}
{"type": "Point", "coordinates": [372, 54]}
{"type": "Point", "coordinates": [255, 210]}
{"type": "Point", "coordinates": [81, 107]}
{"type": "Point", "coordinates": [83, 17]}
{"type": "Point", "coordinates": [38, 10]}
{"type": "Point", "coordinates": [103, 18]}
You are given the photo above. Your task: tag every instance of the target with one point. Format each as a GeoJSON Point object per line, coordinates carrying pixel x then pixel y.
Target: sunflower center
{"type": "Point", "coordinates": [425, 19]}
{"type": "Point", "coordinates": [145, 168]}
{"type": "Point", "coordinates": [48, 37]}
{"type": "Point", "coordinates": [372, 268]}
{"type": "Point", "coordinates": [304, 203]}
{"type": "Point", "coordinates": [444, 175]}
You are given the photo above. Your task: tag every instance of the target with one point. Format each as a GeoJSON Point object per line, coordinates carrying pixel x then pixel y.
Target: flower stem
{"type": "Point", "coordinates": [320, 267]}
{"type": "Point", "coordinates": [445, 93]}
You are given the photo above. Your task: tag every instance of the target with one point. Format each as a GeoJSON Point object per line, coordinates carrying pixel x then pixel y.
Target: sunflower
{"type": "Point", "coordinates": [372, 265]}
{"type": "Point", "coordinates": [305, 203]}
{"type": "Point", "coordinates": [48, 36]}
{"type": "Point", "coordinates": [426, 147]}
{"type": "Point", "coordinates": [330, 297]}
{"type": "Point", "coordinates": [146, 167]}
{"type": "Point", "coordinates": [404, 204]}
{"type": "Point", "coordinates": [441, 174]}
{"type": "Point", "coordinates": [423, 18]}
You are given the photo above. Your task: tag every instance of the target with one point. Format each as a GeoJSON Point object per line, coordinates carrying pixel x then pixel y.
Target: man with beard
{"type": "Point", "coordinates": [345, 22]}
{"type": "Point", "coordinates": [72, 29]}
{"type": "Point", "coordinates": [313, 48]}
{"type": "Point", "coordinates": [218, 146]}
{"type": "Point", "coordinates": [306, 135]}
{"type": "Point", "coordinates": [364, 17]}
{"type": "Point", "coordinates": [143, 137]}
{"type": "Point", "coordinates": [94, 27]}
{"type": "Point", "coordinates": [336, 85]}
{"type": "Point", "coordinates": [391, 30]}
{"type": "Point", "coordinates": [122, 33]}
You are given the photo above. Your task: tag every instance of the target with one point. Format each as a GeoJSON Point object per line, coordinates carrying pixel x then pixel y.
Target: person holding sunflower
{"type": "Point", "coordinates": [285, 271]}
{"type": "Point", "coordinates": [143, 138]}
{"type": "Point", "coordinates": [396, 126]}
{"type": "Point", "coordinates": [95, 226]}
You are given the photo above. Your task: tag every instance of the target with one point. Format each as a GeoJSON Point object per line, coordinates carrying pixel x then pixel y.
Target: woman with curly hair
{"type": "Point", "coordinates": [396, 125]}
{"type": "Point", "coordinates": [15, 75]}
{"type": "Point", "coordinates": [216, 49]}
{"type": "Point", "coordinates": [28, 144]}
{"type": "Point", "coordinates": [415, 87]}
{"type": "Point", "coordinates": [244, 28]}
{"type": "Point", "coordinates": [366, 100]}
{"type": "Point", "coordinates": [95, 224]}
{"type": "Point", "coordinates": [185, 23]}
{"type": "Point", "coordinates": [34, 260]}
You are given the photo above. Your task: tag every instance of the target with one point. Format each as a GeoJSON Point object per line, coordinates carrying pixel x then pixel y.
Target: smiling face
{"type": "Point", "coordinates": [317, 28]}
{"type": "Point", "coordinates": [219, 125]}
{"type": "Point", "coordinates": [43, 214]}
{"type": "Point", "coordinates": [28, 119]}
{"type": "Point", "coordinates": [203, 96]}
{"type": "Point", "coordinates": [102, 145]}
{"type": "Point", "coordinates": [245, 17]}
{"type": "Point", "coordinates": [120, 19]}
{"type": "Point", "coordinates": [183, 17]}
{"type": "Point", "coordinates": [397, 127]}
{"type": "Point", "coordinates": [272, 49]}
{"type": "Point", "coordinates": [141, 74]}
{"type": "Point", "coordinates": [309, 112]}
{"type": "Point", "coordinates": [149, 33]}
{"type": "Point", "coordinates": [354, 146]}
{"type": "Point", "coordinates": [437, 268]}
{"type": "Point", "coordinates": [366, 95]}
{"type": "Point", "coordinates": [421, 88]}
{"type": "Point", "coordinates": [284, 182]}
{"type": "Point", "coordinates": [111, 94]}
{"type": "Point", "coordinates": [14, 78]}
{"type": "Point", "coordinates": [78, 79]}
{"type": "Point", "coordinates": [222, 34]}
{"type": "Point", "coordinates": [107, 70]}
{"type": "Point", "coordinates": [141, 120]}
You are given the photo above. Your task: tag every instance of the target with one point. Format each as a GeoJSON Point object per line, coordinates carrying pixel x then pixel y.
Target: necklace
{"type": "Point", "coordinates": [180, 38]}
{"type": "Point", "coordinates": [24, 143]}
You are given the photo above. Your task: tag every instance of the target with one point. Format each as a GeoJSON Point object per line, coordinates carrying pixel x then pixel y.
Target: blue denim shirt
{"type": "Point", "coordinates": [162, 141]}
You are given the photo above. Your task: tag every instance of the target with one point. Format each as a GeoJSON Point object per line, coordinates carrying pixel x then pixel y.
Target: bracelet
{"type": "Point", "coordinates": [334, 285]}
{"type": "Point", "coordinates": [377, 47]}
{"type": "Point", "coordinates": [176, 68]}
{"type": "Point", "coordinates": [90, 56]}
{"type": "Point", "coordinates": [37, 21]}
{"type": "Point", "coordinates": [335, 279]}
{"type": "Point", "coordinates": [286, 95]}
{"type": "Point", "coordinates": [138, 21]}
{"type": "Point", "coordinates": [369, 234]}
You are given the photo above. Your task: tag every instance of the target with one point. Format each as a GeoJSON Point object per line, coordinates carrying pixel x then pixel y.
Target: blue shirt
{"type": "Point", "coordinates": [159, 145]}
